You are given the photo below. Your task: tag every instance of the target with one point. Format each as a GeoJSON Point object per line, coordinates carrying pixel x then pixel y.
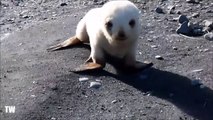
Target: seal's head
{"type": "Point", "coordinates": [120, 21]}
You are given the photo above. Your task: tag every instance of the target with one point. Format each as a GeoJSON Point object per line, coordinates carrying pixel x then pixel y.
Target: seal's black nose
{"type": "Point", "coordinates": [121, 34]}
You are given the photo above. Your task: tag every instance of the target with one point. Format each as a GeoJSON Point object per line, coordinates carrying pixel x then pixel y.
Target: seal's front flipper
{"type": "Point", "coordinates": [69, 42]}
{"type": "Point", "coordinates": [89, 66]}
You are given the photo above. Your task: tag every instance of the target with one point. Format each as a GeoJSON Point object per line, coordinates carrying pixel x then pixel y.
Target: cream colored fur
{"type": "Point", "coordinates": [92, 28]}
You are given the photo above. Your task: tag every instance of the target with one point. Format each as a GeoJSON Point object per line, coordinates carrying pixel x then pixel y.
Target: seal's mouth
{"type": "Point", "coordinates": [121, 38]}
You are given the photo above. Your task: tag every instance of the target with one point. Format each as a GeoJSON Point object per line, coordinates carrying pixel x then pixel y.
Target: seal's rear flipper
{"type": "Point", "coordinates": [89, 66]}
{"type": "Point", "coordinates": [69, 42]}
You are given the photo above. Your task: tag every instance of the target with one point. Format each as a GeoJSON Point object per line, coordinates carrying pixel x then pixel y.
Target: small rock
{"type": "Point", "coordinates": [208, 23]}
{"type": "Point", "coordinates": [209, 11]}
{"type": "Point", "coordinates": [150, 40]}
{"type": "Point", "coordinates": [206, 29]}
{"type": "Point", "coordinates": [52, 118]}
{"type": "Point", "coordinates": [174, 48]}
{"type": "Point", "coordinates": [171, 9]}
{"type": "Point", "coordinates": [83, 79]}
{"type": "Point", "coordinates": [98, 80]}
{"type": "Point", "coordinates": [184, 29]}
{"type": "Point", "coordinates": [25, 16]}
{"type": "Point", "coordinates": [159, 57]}
{"type": "Point", "coordinates": [95, 85]}
{"type": "Point", "coordinates": [33, 96]}
{"type": "Point", "coordinates": [159, 10]}
{"type": "Point", "coordinates": [205, 50]}
{"type": "Point", "coordinates": [34, 82]}
{"type": "Point", "coordinates": [178, 12]}
{"type": "Point", "coordinates": [182, 19]}
{"type": "Point", "coordinates": [114, 101]}
{"type": "Point", "coordinates": [209, 36]}
{"type": "Point", "coordinates": [195, 15]}
{"type": "Point", "coordinates": [53, 86]}
{"type": "Point", "coordinates": [197, 70]}
{"type": "Point", "coordinates": [154, 46]}
{"type": "Point", "coordinates": [20, 44]}
{"type": "Point", "coordinates": [63, 4]}
{"type": "Point", "coordinates": [192, 1]}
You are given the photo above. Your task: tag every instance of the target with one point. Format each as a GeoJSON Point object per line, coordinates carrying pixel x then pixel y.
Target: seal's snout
{"type": "Point", "coordinates": [121, 35]}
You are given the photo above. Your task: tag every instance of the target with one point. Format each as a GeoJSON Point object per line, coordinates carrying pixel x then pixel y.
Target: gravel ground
{"type": "Point", "coordinates": [41, 87]}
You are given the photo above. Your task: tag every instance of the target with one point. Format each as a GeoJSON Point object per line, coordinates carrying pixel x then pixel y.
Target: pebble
{"type": "Point", "coordinates": [195, 15]}
{"type": "Point", "coordinates": [95, 85]}
{"type": "Point", "coordinates": [171, 9]}
{"type": "Point", "coordinates": [33, 96]}
{"type": "Point", "coordinates": [208, 23]}
{"type": "Point", "coordinates": [25, 16]}
{"type": "Point", "coordinates": [149, 40]}
{"type": "Point", "coordinates": [20, 44]}
{"type": "Point", "coordinates": [98, 80]}
{"type": "Point", "coordinates": [182, 19]}
{"type": "Point", "coordinates": [159, 57]}
{"type": "Point", "coordinates": [114, 101]}
{"type": "Point", "coordinates": [197, 70]}
{"type": "Point", "coordinates": [206, 29]}
{"type": "Point", "coordinates": [63, 4]}
{"type": "Point", "coordinates": [34, 82]}
{"type": "Point", "coordinates": [178, 12]}
{"type": "Point", "coordinates": [159, 10]}
{"type": "Point", "coordinates": [209, 36]}
{"type": "Point", "coordinates": [174, 48]}
{"type": "Point", "coordinates": [83, 79]}
{"type": "Point", "coordinates": [205, 50]}
{"type": "Point", "coordinates": [154, 46]}
{"type": "Point", "coordinates": [53, 86]}
{"type": "Point", "coordinates": [52, 118]}
{"type": "Point", "coordinates": [184, 29]}
{"type": "Point", "coordinates": [192, 1]}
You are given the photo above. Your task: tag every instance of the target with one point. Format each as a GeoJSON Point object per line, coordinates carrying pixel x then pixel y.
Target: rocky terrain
{"type": "Point", "coordinates": [176, 36]}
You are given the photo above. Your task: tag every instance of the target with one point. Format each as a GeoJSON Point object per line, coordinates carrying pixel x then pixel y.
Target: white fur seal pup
{"type": "Point", "coordinates": [112, 29]}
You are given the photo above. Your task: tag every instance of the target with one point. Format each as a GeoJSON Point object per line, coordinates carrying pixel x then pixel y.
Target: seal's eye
{"type": "Point", "coordinates": [109, 25]}
{"type": "Point", "coordinates": [132, 23]}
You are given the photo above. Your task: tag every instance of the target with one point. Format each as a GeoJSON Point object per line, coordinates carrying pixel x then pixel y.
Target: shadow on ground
{"type": "Point", "coordinates": [172, 87]}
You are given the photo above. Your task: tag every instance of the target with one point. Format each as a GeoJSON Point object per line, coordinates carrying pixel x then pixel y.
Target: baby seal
{"type": "Point", "coordinates": [112, 29]}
